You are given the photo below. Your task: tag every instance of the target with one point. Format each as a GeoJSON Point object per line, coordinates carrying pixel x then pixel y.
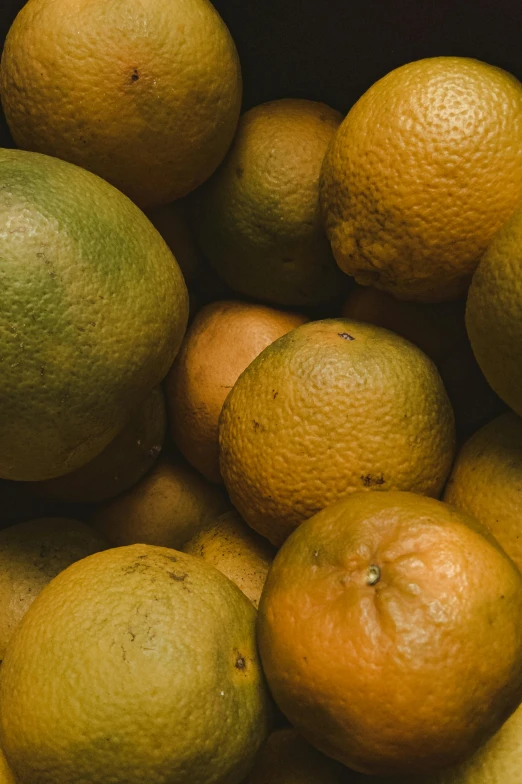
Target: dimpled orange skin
{"type": "Point", "coordinates": [144, 93]}
{"type": "Point", "coordinates": [137, 666]}
{"type": "Point", "coordinates": [258, 219]}
{"type": "Point", "coordinates": [494, 313]}
{"type": "Point", "coordinates": [333, 407]}
{"type": "Point", "coordinates": [425, 168]}
{"type": "Point", "coordinates": [390, 632]}
{"type": "Point", "coordinates": [220, 343]}
{"type": "Point", "coordinates": [499, 761]}
{"type": "Point", "coordinates": [486, 481]}
{"type": "Point", "coordinates": [434, 328]}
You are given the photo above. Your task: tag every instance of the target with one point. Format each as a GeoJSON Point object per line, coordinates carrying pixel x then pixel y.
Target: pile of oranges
{"type": "Point", "coordinates": [260, 443]}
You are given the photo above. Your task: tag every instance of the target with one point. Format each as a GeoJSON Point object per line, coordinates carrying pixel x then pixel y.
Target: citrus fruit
{"type": "Point", "coordinates": [220, 343]}
{"type": "Point", "coordinates": [486, 481]}
{"type": "Point", "coordinates": [494, 313]}
{"type": "Point", "coordinates": [167, 507]}
{"type": "Point", "coordinates": [122, 463]}
{"type": "Point", "coordinates": [439, 330]}
{"type": "Point", "coordinates": [332, 407]}
{"type": "Point", "coordinates": [6, 776]}
{"type": "Point", "coordinates": [232, 547]}
{"type": "Point", "coordinates": [31, 554]}
{"type": "Point", "coordinates": [498, 760]}
{"type": "Point", "coordinates": [433, 327]}
{"type": "Point", "coordinates": [145, 94]}
{"type": "Point", "coordinates": [286, 758]}
{"type": "Point", "coordinates": [258, 219]}
{"type": "Point", "coordinates": [423, 171]}
{"type": "Point", "coordinates": [93, 309]}
{"type": "Point", "coordinates": [153, 655]}
{"type": "Point", "coordinates": [390, 633]}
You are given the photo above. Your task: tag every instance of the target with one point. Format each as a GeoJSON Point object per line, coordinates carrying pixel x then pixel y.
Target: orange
{"type": "Point", "coordinates": [486, 481]}
{"type": "Point", "coordinates": [220, 343]}
{"type": "Point", "coordinates": [167, 507]}
{"type": "Point", "coordinates": [257, 218]}
{"type": "Point", "coordinates": [494, 313]}
{"type": "Point", "coordinates": [439, 330]}
{"type": "Point", "coordinates": [157, 112]}
{"type": "Point", "coordinates": [425, 168]}
{"type": "Point", "coordinates": [31, 554]}
{"type": "Point", "coordinates": [122, 463]}
{"type": "Point", "coordinates": [499, 761]}
{"type": "Point", "coordinates": [432, 327]}
{"type": "Point", "coordinates": [93, 310]}
{"type": "Point", "coordinates": [232, 547]}
{"type": "Point", "coordinates": [333, 407]}
{"type": "Point", "coordinates": [287, 758]}
{"type": "Point", "coordinates": [138, 664]}
{"type": "Point", "coordinates": [390, 631]}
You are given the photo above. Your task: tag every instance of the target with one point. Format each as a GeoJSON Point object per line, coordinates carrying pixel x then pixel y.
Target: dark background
{"type": "Point", "coordinates": [334, 50]}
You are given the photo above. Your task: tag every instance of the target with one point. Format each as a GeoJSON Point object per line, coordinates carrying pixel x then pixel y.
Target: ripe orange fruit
{"type": "Point", "coordinates": [425, 168]}
{"type": "Point", "coordinates": [439, 330]}
{"type": "Point", "coordinates": [433, 327]}
{"type": "Point", "coordinates": [486, 481]}
{"type": "Point", "coordinates": [493, 313]}
{"type": "Point", "coordinates": [166, 508]}
{"type": "Point", "coordinates": [332, 407]}
{"type": "Point", "coordinates": [390, 633]}
{"type": "Point", "coordinates": [220, 343]}
{"type": "Point", "coordinates": [258, 219]}
{"type": "Point", "coordinates": [236, 550]}
{"type": "Point", "coordinates": [93, 310]}
{"type": "Point", "coordinates": [153, 655]}
{"type": "Point", "coordinates": [145, 94]}
{"type": "Point", "coordinates": [31, 554]}
{"type": "Point", "coordinates": [498, 760]}
{"type": "Point", "coordinates": [123, 462]}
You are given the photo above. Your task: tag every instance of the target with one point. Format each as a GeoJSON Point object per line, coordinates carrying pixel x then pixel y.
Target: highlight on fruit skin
{"type": "Point", "coordinates": [333, 407]}
{"type": "Point", "coordinates": [146, 94]}
{"type": "Point", "coordinates": [428, 138]}
{"type": "Point", "coordinates": [396, 619]}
